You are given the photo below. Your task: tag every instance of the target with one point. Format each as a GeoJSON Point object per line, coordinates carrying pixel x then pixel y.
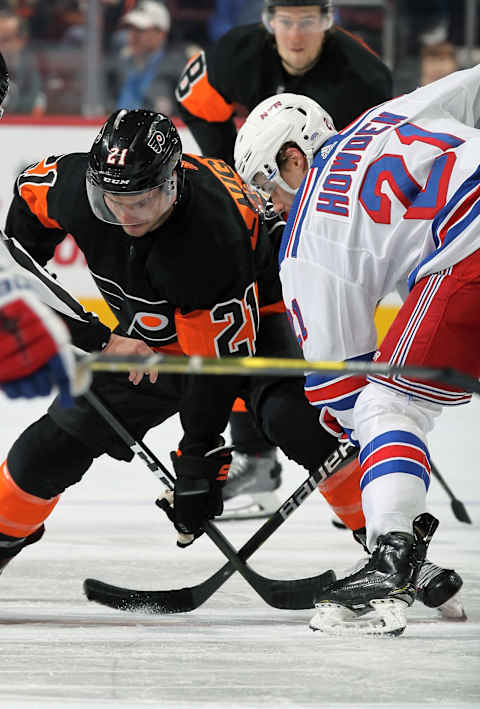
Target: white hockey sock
{"type": "Point", "coordinates": [391, 503]}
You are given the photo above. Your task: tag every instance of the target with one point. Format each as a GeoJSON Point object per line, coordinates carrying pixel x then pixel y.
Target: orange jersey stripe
{"type": "Point", "coordinates": [234, 185]}
{"type": "Point", "coordinates": [35, 194]}
{"type": "Point", "coordinates": [199, 335]}
{"type": "Point", "coordinates": [173, 349]}
{"type": "Point", "coordinates": [358, 39]}
{"type": "Point", "coordinates": [278, 307]}
{"type": "Point", "coordinates": [199, 97]}
{"type": "Point", "coordinates": [22, 513]}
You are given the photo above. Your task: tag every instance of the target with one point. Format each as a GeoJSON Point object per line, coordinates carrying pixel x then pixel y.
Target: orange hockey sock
{"type": "Point", "coordinates": [343, 494]}
{"type": "Point", "coordinates": [21, 513]}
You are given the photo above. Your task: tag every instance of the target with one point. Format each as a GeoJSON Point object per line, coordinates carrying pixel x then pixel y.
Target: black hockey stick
{"type": "Point", "coordinates": [458, 508]}
{"type": "Point", "coordinates": [286, 594]}
{"type": "Point", "coordinates": [191, 597]}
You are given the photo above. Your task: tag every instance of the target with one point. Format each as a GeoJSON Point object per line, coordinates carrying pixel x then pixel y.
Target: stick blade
{"type": "Point", "coordinates": [127, 599]}
{"type": "Point", "coordinates": [460, 511]}
{"type": "Point", "coordinates": [295, 594]}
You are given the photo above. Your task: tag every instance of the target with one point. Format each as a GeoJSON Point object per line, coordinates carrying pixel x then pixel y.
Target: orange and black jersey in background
{"type": "Point", "coordinates": [243, 67]}
{"type": "Point", "coordinates": [197, 284]}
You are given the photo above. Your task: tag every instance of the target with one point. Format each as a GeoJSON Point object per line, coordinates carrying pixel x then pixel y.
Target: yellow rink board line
{"type": "Point", "coordinates": [383, 317]}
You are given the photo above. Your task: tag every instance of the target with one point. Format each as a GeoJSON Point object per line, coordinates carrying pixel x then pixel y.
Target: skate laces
{"type": "Point", "coordinates": [428, 571]}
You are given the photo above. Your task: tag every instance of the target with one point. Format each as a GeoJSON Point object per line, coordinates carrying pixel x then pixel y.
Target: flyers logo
{"type": "Point", "coordinates": [155, 328]}
{"type": "Point", "coordinates": [156, 142]}
{"type": "Point", "coordinates": [151, 321]}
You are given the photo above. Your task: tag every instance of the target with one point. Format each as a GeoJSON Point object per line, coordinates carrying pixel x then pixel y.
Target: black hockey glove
{"type": "Point", "coordinates": [197, 495]}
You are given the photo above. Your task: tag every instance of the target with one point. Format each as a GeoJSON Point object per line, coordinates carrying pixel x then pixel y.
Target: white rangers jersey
{"type": "Point", "coordinates": [393, 197]}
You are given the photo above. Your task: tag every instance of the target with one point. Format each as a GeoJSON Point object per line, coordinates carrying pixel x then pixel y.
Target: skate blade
{"type": "Point", "coordinates": [387, 617]}
{"type": "Point", "coordinates": [453, 610]}
{"type": "Point", "coordinates": [256, 506]}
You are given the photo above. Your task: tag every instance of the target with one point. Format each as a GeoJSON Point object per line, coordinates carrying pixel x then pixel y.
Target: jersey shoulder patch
{"type": "Point", "coordinates": [49, 186]}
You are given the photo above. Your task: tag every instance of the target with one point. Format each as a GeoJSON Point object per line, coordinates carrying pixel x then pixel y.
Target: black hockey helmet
{"type": "Point", "coordinates": [269, 6]}
{"type": "Point", "coordinates": [136, 151]}
{"type": "Point", "coordinates": [326, 5]}
{"type": "Point", "coordinates": [3, 82]}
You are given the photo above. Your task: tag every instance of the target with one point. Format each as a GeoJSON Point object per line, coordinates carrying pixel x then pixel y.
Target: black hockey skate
{"type": "Point", "coordinates": [249, 492]}
{"type": "Point", "coordinates": [11, 546]}
{"type": "Point", "coordinates": [437, 587]}
{"type": "Point", "coordinates": [386, 585]}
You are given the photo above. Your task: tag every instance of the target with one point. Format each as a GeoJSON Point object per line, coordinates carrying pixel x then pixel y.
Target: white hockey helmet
{"type": "Point", "coordinates": [277, 120]}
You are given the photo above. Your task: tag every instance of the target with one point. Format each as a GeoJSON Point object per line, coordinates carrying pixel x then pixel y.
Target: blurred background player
{"type": "Point", "coordinates": [348, 242]}
{"type": "Point", "coordinates": [298, 49]}
{"type": "Point", "coordinates": [35, 355]}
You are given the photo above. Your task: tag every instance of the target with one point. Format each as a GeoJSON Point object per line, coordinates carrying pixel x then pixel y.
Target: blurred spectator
{"type": "Point", "coordinates": [437, 60]}
{"type": "Point", "coordinates": [25, 94]}
{"type": "Point", "coordinates": [147, 71]}
{"type": "Point", "coordinates": [113, 35]}
{"type": "Point", "coordinates": [190, 20]}
{"type": "Point", "coordinates": [424, 19]}
{"type": "Point", "coordinates": [230, 13]}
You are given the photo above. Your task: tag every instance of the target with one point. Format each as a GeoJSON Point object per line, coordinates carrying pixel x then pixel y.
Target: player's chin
{"type": "Point", "coordinates": [300, 62]}
{"type": "Point", "coordinates": [136, 229]}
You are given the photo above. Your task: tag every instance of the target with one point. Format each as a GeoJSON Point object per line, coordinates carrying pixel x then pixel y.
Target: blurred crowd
{"type": "Point", "coordinates": [144, 45]}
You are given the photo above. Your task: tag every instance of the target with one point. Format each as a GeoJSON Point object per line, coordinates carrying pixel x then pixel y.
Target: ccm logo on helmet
{"type": "Point", "coordinates": [156, 142]}
{"type": "Point", "coordinates": [115, 180]}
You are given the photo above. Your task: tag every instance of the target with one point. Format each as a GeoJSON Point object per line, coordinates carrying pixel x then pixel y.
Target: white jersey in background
{"type": "Point", "coordinates": [35, 352]}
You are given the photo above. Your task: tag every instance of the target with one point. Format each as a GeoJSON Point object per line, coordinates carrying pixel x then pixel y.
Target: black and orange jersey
{"type": "Point", "coordinates": [243, 67]}
{"type": "Point", "coordinates": [198, 284]}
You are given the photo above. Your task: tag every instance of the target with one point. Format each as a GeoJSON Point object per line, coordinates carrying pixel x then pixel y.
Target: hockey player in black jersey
{"type": "Point", "coordinates": [296, 50]}
{"type": "Point", "coordinates": [185, 263]}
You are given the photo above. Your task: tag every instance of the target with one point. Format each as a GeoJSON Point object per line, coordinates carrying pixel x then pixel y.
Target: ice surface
{"type": "Point", "coordinates": [59, 650]}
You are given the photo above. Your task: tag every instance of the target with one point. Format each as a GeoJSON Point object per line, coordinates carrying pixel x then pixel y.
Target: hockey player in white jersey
{"type": "Point", "coordinates": [35, 354]}
{"type": "Point", "coordinates": [391, 201]}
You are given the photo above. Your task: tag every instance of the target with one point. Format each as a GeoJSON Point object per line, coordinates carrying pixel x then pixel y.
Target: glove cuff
{"type": "Point", "coordinates": [213, 468]}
